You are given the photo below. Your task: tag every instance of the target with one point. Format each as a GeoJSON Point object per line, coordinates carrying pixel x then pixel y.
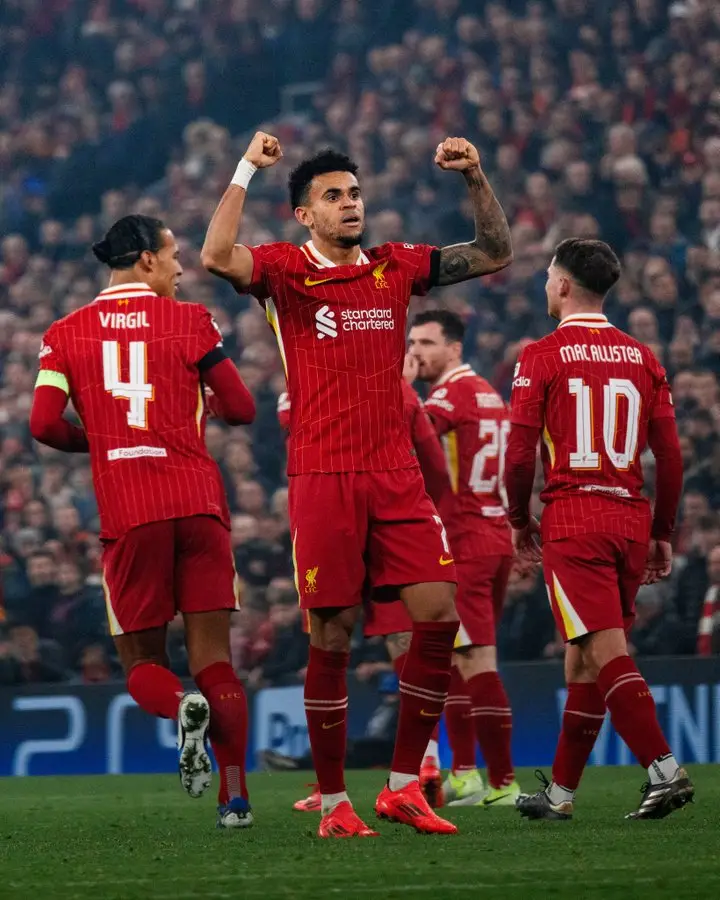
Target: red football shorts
{"type": "Point", "coordinates": [482, 585]}
{"type": "Point", "coordinates": [592, 581]}
{"type": "Point", "coordinates": [157, 570]}
{"type": "Point", "coordinates": [379, 619]}
{"type": "Point", "coordinates": [350, 527]}
{"type": "Point", "coordinates": [384, 618]}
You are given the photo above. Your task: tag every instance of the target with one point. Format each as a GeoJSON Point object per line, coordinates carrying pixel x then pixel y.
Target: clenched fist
{"type": "Point", "coordinates": [264, 150]}
{"type": "Point", "coordinates": [457, 154]}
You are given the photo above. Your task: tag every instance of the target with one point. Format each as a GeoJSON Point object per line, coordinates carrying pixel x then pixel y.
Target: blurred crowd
{"type": "Point", "coordinates": [593, 120]}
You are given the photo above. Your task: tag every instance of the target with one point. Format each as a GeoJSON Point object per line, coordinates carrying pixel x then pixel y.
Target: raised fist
{"type": "Point", "coordinates": [264, 150]}
{"type": "Point", "coordinates": [457, 154]}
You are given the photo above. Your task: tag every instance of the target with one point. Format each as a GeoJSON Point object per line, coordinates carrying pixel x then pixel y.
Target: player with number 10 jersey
{"type": "Point", "coordinates": [597, 397]}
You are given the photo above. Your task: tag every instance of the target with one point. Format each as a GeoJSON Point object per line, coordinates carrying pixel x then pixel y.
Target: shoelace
{"type": "Point", "coordinates": [542, 778]}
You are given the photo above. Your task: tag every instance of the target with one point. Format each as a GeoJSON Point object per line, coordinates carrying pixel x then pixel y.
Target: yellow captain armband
{"type": "Point", "coordinates": [47, 378]}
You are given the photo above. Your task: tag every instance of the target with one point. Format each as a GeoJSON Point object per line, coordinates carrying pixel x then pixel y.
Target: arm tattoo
{"type": "Point", "coordinates": [491, 250]}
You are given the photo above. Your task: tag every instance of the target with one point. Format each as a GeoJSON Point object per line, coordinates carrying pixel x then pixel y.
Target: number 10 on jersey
{"type": "Point", "coordinates": [135, 389]}
{"type": "Point", "coordinates": [586, 456]}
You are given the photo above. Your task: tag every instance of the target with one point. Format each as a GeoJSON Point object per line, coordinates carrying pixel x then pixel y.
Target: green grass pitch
{"type": "Point", "coordinates": [122, 838]}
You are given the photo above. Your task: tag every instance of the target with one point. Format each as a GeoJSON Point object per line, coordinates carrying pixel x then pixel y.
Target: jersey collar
{"type": "Point", "coordinates": [587, 320]}
{"type": "Point", "coordinates": [322, 262]}
{"type": "Point", "coordinates": [123, 291]}
{"type": "Point", "coordinates": [464, 369]}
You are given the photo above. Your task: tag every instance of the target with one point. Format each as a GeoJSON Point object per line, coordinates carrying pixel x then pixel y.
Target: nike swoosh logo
{"type": "Point", "coordinates": [446, 562]}
{"type": "Point", "coordinates": [428, 714]}
{"type": "Point", "coordinates": [327, 727]}
{"type": "Point", "coordinates": [312, 282]}
{"type": "Point", "coordinates": [495, 799]}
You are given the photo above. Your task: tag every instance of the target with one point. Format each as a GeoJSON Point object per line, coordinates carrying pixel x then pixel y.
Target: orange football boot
{"type": "Point", "coordinates": [408, 806]}
{"type": "Point", "coordinates": [313, 803]}
{"type": "Point", "coordinates": [431, 783]}
{"type": "Point", "coordinates": [344, 822]}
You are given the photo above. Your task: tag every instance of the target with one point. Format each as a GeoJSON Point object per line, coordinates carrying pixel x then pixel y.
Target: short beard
{"type": "Point", "coordinates": [348, 241]}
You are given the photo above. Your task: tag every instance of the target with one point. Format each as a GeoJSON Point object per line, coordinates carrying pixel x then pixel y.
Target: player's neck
{"type": "Point", "coordinates": [120, 277]}
{"type": "Point", "coordinates": [575, 308]}
{"type": "Point", "coordinates": [341, 256]}
{"type": "Point", "coordinates": [448, 370]}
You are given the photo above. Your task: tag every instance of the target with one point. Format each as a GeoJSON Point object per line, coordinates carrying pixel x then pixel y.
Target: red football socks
{"type": "Point", "coordinates": [222, 689]}
{"type": "Point", "coordinates": [423, 691]}
{"type": "Point", "coordinates": [460, 726]}
{"type": "Point", "coordinates": [632, 709]}
{"type": "Point", "coordinates": [326, 704]}
{"type": "Point", "coordinates": [493, 726]}
{"type": "Point", "coordinates": [155, 689]}
{"type": "Point", "coordinates": [581, 724]}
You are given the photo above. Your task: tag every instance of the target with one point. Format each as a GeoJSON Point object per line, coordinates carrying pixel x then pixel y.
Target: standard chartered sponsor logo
{"type": "Point", "coordinates": [375, 319]}
{"type": "Point", "coordinates": [325, 323]}
{"type": "Point", "coordinates": [367, 320]}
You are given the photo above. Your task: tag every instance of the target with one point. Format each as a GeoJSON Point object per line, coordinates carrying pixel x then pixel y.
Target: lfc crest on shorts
{"type": "Point", "coordinates": [311, 580]}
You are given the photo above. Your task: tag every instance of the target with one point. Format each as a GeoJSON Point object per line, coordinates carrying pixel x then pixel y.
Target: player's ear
{"type": "Point", "coordinates": [302, 214]}
{"type": "Point", "coordinates": [147, 260]}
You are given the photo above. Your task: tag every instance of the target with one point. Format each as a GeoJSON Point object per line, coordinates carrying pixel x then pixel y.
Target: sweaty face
{"type": "Point", "coordinates": [164, 269]}
{"type": "Point", "coordinates": [335, 211]}
{"type": "Point", "coordinates": [433, 352]}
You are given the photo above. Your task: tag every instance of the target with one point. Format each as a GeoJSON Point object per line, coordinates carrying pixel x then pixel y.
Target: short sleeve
{"type": "Point", "coordinates": [422, 262]}
{"type": "Point", "coordinates": [208, 337]}
{"type": "Point", "coordinates": [269, 260]}
{"type": "Point", "coordinates": [527, 400]}
{"type": "Point", "coordinates": [441, 406]}
{"type": "Point", "coordinates": [54, 371]}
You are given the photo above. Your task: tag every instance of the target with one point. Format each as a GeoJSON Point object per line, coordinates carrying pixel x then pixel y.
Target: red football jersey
{"type": "Point", "coordinates": [593, 390]}
{"type": "Point", "coordinates": [472, 420]}
{"type": "Point", "coordinates": [424, 439]}
{"type": "Point", "coordinates": [129, 363]}
{"type": "Point", "coordinates": [341, 334]}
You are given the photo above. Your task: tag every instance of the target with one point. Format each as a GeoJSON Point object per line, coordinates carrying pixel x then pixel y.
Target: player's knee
{"type": "Point", "coordinates": [600, 648]}
{"type": "Point", "coordinates": [473, 661]}
{"type": "Point", "coordinates": [431, 602]}
{"type": "Point", "coordinates": [332, 630]}
{"type": "Point", "coordinates": [130, 663]}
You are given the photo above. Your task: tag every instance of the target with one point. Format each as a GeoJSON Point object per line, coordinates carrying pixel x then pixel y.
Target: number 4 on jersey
{"type": "Point", "coordinates": [136, 389]}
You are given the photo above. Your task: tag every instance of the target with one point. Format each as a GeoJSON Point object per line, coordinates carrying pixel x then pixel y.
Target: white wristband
{"type": "Point", "coordinates": [244, 172]}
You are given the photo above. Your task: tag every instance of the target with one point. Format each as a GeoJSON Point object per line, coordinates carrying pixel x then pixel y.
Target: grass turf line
{"type": "Point", "coordinates": [133, 837]}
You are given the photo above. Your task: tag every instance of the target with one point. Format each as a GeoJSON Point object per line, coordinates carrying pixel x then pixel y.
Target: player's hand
{"type": "Point", "coordinates": [526, 542]}
{"type": "Point", "coordinates": [410, 368]}
{"type": "Point", "coordinates": [264, 150]}
{"type": "Point", "coordinates": [457, 155]}
{"type": "Point", "coordinates": [659, 562]}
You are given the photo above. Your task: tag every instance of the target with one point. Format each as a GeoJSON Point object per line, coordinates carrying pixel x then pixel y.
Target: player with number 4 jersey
{"type": "Point", "coordinates": [134, 363]}
{"type": "Point", "coordinates": [471, 419]}
{"type": "Point", "coordinates": [597, 397]}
